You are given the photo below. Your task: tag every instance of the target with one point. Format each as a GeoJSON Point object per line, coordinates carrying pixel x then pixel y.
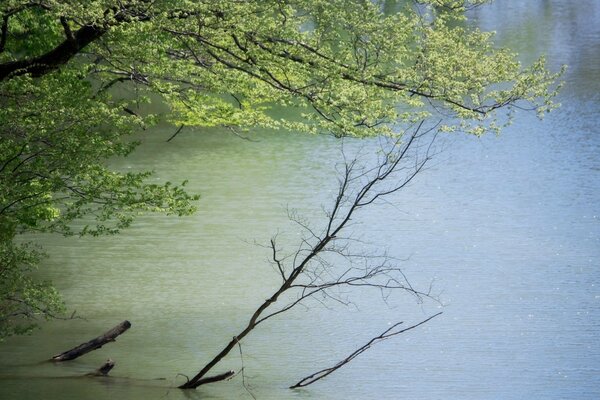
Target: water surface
{"type": "Point", "coordinates": [507, 227]}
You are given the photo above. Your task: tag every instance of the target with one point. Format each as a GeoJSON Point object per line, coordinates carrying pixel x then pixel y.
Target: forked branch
{"type": "Point", "coordinates": [388, 333]}
{"type": "Point", "coordinates": [324, 260]}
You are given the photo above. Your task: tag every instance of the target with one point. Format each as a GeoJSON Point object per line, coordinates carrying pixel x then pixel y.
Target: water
{"type": "Point", "coordinates": [507, 227]}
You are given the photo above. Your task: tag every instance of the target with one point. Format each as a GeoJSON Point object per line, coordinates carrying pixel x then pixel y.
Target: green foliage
{"type": "Point", "coordinates": [346, 67]}
{"type": "Point", "coordinates": [56, 137]}
{"type": "Point", "coordinates": [23, 299]}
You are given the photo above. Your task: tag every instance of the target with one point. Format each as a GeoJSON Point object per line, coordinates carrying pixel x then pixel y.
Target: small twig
{"type": "Point", "coordinates": [176, 133]}
{"type": "Point", "coordinates": [242, 372]}
{"type": "Point", "coordinates": [236, 133]}
{"type": "Point", "coordinates": [187, 378]}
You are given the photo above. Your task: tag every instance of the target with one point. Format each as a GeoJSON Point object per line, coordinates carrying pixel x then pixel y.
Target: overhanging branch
{"type": "Point", "coordinates": [60, 55]}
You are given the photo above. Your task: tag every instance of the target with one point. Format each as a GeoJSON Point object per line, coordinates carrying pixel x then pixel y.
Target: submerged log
{"type": "Point", "coordinates": [104, 369]}
{"type": "Point", "coordinates": [210, 379]}
{"type": "Point", "coordinates": [93, 344]}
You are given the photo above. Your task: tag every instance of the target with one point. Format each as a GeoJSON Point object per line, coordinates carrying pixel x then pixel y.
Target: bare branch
{"type": "Point", "coordinates": [388, 333]}
{"type": "Point", "coordinates": [325, 262]}
{"type": "Point", "coordinates": [277, 261]}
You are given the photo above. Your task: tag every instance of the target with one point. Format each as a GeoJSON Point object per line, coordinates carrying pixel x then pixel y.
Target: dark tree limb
{"type": "Point", "coordinates": [61, 54]}
{"type": "Point", "coordinates": [74, 41]}
{"type": "Point", "coordinates": [383, 336]}
{"type": "Point", "coordinates": [3, 32]}
{"type": "Point", "coordinates": [210, 379]}
{"type": "Point", "coordinates": [67, 29]}
{"type": "Point", "coordinates": [125, 12]}
{"type": "Point", "coordinates": [93, 344]}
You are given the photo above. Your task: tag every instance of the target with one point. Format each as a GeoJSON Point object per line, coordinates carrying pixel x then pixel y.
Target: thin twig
{"type": "Point", "coordinates": [243, 374]}
{"type": "Point", "coordinates": [176, 133]}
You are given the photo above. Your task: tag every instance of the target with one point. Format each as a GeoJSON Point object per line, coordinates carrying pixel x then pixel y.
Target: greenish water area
{"type": "Point", "coordinates": [507, 229]}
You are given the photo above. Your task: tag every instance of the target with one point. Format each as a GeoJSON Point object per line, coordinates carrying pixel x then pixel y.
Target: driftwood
{"type": "Point", "coordinates": [93, 344]}
{"type": "Point", "coordinates": [104, 369]}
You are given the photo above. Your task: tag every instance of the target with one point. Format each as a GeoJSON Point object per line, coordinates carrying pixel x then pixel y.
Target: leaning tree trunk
{"type": "Point", "coordinates": [93, 344]}
{"type": "Point", "coordinates": [358, 189]}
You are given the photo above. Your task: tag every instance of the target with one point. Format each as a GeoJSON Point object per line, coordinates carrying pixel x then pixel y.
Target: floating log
{"type": "Point", "coordinates": [93, 344]}
{"type": "Point", "coordinates": [104, 369]}
{"type": "Point", "coordinates": [210, 379]}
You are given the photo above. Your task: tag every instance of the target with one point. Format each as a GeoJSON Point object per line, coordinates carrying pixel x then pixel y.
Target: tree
{"type": "Point", "coordinates": [326, 259]}
{"type": "Point", "coordinates": [347, 68]}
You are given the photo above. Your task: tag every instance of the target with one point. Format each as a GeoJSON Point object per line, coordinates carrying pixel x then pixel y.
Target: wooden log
{"type": "Point", "coordinates": [210, 379]}
{"type": "Point", "coordinates": [104, 369]}
{"type": "Point", "coordinates": [93, 344]}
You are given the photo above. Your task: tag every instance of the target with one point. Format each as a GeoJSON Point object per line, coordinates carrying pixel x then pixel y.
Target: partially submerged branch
{"type": "Point", "coordinates": [324, 260]}
{"type": "Point", "coordinates": [388, 333]}
{"type": "Point", "coordinates": [93, 344]}
{"type": "Point", "coordinates": [104, 369]}
{"type": "Point", "coordinates": [215, 378]}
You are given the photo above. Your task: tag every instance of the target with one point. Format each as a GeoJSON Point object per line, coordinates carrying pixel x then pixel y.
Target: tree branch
{"type": "Point", "coordinates": [388, 333]}
{"type": "Point", "coordinates": [53, 59]}
{"type": "Point", "coordinates": [366, 188]}
{"type": "Point", "coordinates": [67, 29]}
{"type": "Point", "coordinates": [3, 32]}
{"type": "Point", "coordinates": [75, 41]}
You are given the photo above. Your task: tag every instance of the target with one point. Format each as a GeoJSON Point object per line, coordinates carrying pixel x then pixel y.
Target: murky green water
{"type": "Point", "coordinates": [508, 227]}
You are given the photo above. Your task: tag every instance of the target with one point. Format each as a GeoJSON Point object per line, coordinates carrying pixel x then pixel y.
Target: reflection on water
{"type": "Point", "coordinates": [507, 227]}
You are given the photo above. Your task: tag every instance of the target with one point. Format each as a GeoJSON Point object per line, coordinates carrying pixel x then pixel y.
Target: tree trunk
{"type": "Point", "coordinates": [93, 344]}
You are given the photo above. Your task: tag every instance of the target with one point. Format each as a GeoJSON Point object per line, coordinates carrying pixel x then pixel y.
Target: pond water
{"type": "Point", "coordinates": [507, 228]}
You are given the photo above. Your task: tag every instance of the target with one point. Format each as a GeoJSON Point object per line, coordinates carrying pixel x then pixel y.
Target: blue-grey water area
{"type": "Point", "coordinates": [507, 229]}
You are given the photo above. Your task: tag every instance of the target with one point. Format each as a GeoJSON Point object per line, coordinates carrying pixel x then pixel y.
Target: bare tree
{"type": "Point", "coordinates": [325, 259]}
